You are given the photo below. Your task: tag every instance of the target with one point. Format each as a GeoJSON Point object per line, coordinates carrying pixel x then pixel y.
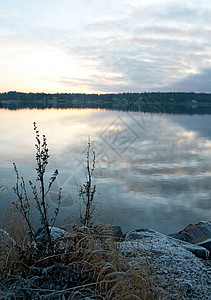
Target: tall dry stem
{"type": "Point", "coordinates": [87, 190]}
{"type": "Point", "coordinates": [23, 204]}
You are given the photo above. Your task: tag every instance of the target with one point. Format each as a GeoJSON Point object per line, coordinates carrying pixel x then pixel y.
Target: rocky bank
{"type": "Point", "coordinates": [180, 262]}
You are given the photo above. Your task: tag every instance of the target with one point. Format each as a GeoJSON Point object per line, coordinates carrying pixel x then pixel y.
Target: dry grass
{"type": "Point", "coordinates": [8, 255]}
{"type": "Point", "coordinates": [17, 228]}
{"type": "Point", "coordinates": [12, 241]}
{"type": "Point", "coordinates": [106, 272]}
{"type": "Point", "coordinates": [115, 275]}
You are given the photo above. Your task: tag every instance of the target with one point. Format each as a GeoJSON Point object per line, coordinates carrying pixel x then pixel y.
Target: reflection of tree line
{"type": "Point", "coordinates": [176, 103]}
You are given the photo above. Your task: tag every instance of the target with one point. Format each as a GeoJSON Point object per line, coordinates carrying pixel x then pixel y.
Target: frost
{"type": "Point", "coordinates": [173, 260]}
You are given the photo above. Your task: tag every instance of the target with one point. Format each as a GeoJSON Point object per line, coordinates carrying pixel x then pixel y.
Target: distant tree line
{"type": "Point", "coordinates": [157, 102]}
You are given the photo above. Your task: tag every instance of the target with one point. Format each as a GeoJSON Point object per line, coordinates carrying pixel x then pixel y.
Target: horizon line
{"type": "Point", "coordinates": [107, 93]}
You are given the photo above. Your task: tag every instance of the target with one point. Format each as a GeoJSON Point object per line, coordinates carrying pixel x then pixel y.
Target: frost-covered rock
{"type": "Point", "coordinates": [196, 233]}
{"type": "Point", "coordinates": [206, 244]}
{"type": "Point", "coordinates": [177, 236]}
{"type": "Point", "coordinates": [197, 250]}
{"type": "Point", "coordinates": [173, 262]}
{"type": "Point", "coordinates": [60, 240]}
{"type": "Point", "coordinates": [160, 242]}
{"type": "Point", "coordinates": [56, 233]}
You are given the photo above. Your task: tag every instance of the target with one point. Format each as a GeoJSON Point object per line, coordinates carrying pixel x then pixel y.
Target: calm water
{"type": "Point", "coordinates": [151, 170]}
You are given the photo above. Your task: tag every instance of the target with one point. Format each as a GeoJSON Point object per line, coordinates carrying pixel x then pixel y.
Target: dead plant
{"type": "Point", "coordinates": [23, 204]}
{"type": "Point", "coordinates": [87, 190]}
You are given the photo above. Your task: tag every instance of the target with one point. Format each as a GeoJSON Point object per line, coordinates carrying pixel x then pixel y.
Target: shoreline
{"type": "Point", "coordinates": [171, 264]}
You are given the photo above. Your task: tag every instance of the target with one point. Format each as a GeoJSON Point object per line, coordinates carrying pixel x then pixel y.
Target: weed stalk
{"type": "Point", "coordinates": [87, 190]}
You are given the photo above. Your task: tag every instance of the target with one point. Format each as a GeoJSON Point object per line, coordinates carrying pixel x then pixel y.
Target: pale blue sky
{"type": "Point", "coordinates": [105, 46]}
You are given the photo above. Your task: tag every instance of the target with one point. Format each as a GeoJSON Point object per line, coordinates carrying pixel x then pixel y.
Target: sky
{"type": "Point", "coordinates": [109, 46]}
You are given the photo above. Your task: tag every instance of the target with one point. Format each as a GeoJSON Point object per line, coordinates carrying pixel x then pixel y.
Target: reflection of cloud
{"type": "Point", "coordinates": [23, 159]}
{"type": "Point", "coordinates": [189, 134]}
{"type": "Point", "coordinates": [172, 165]}
{"type": "Point", "coordinates": [165, 214]}
{"type": "Point", "coordinates": [164, 172]}
{"type": "Point", "coordinates": [190, 124]}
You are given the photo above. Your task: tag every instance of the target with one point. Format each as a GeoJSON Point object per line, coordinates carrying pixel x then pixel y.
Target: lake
{"type": "Point", "coordinates": [152, 170]}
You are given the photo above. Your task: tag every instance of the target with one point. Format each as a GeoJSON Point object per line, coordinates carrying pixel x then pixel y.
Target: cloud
{"type": "Point", "coordinates": [124, 46]}
{"type": "Point", "coordinates": [144, 62]}
{"type": "Point", "coordinates": [178, 12]}
{"type": "Point", "coordinates": [146, 56]}
{"type": "Point", "coordinates": [199, 82]}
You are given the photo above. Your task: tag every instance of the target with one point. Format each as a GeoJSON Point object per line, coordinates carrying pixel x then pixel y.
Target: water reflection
{"type": "Point", "coordinates": [152, 170]}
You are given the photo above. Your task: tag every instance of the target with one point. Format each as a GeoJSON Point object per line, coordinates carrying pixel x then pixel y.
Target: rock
{"type": "Point", "coordinates": [187, 287]}
{"type": "Point", "coordinates": [60, 238]}
{"type": "Point", "coordinates": [106, 229]}
{"type": "Point", "coordinates": [137, 234]}
{"type": "Point", "coordinates": [198, 251]}
{"type": "Point", "coordinates": [177, 236]}
{"type": "Point", "coordinates": [196, 233]}
{"type": "Point", "coordinates": [160, 242]}
{"type": "Point", "coordinates": [56, 233]}
{"type": "Point", "coordinates": [206, 244]}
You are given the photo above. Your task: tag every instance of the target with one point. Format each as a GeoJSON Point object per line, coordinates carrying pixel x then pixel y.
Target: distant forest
{"type": "Point", "coordinates": [156, 102]}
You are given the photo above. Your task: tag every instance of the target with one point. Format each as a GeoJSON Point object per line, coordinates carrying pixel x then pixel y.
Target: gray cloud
{"type": "Point", "coordinates": [147, 62]}
{"type": "Point", "coordinates": [199, 82]}
{"type": "Point", "coordinates": [147, 56]}
{"type": "Point", "coordinates": [153, 46]}
{"type": "Point", "coordinates": [173, 11]}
